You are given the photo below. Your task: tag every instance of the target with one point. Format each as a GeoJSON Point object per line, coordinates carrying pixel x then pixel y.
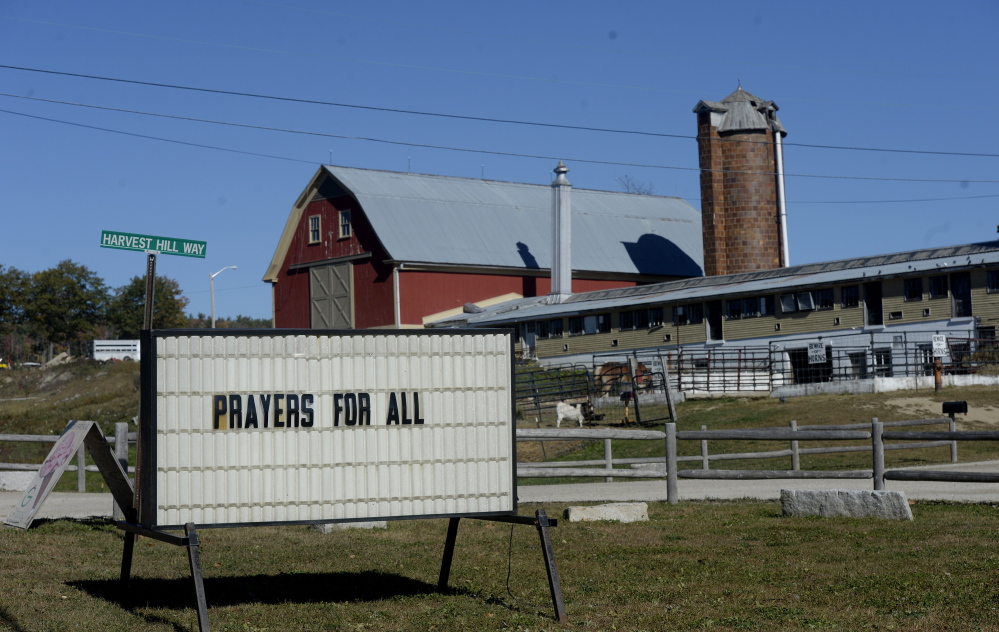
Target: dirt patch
{"type": "Point", "coordinates": [927, 408]}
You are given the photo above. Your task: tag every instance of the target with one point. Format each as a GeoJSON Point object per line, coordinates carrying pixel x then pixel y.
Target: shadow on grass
{"type": "Point", "coordinates": [268, 589]}
{"type": "Point", "coordinates": [7, 622]}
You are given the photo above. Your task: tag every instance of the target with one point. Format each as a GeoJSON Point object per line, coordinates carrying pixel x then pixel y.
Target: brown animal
{"type": "Point", "coordinates": [613, 377]}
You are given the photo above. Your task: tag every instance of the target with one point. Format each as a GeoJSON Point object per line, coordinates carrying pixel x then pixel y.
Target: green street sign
{"type": "Point", "coordinates": [153, 244]}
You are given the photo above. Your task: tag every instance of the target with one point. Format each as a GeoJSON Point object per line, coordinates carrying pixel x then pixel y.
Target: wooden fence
{"type": "Point", "coordinates": [667, 464]}
{"type": "Point", "coordinates": [122, 437]}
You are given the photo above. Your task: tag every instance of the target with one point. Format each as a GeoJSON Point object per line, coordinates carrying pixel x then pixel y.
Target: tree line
{"type": "Point", "coordinates": [65, 307]}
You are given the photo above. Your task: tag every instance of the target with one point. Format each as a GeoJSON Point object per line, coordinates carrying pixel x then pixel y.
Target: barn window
{"type": "Point", "coordinates": [641, 319]}
{"type": "Point", "coordinates": [345, 230]}
{"type": "Point", "coordinates": [992, 281]}
{"type": "Point", "coordinates": [555, 328]}
{"type": "Point", "coordinates": [688, 314]}
{"type": "Point", "coordinates": [767, 306]}
{"type": "Point", "coordinates": [938, 286]}
{"type": "Point", "coordinates": [542, 329]}
{"type": "Point", "coordinates": [824, 299]}
{"type": "Point", "coordinates": [576, 326]}
{"type": "Point", "coordinates": [315, 229]}
{"type": "Point", "coordinates": [913, 289]}
{"type": "Point", "coordinates": [850, 296]}
{"type": "Point", "coordinates": [734, 309]}
{"type": "Point", "coordinates": [788, 304]}
{"type": "Point", "coordinates": [603, 323]}
{"type": "Point", "coordinates": [627, 320]}
{"type": "Point", "coordinates": [656, 317]}
{"type": "Point", "coordinates": [805, 302]}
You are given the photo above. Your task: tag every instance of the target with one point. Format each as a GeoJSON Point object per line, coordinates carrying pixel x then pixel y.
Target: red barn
{"type": "Point", "coordinates": [366, 248]}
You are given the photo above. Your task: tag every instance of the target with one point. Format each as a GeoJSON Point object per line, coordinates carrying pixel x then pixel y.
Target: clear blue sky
{"type": "Point", "coordinates": [914, 76]}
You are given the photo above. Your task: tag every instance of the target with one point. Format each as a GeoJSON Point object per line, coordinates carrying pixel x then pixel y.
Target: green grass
{"type": "Point", "coordinates": [694, 566]}
{"type": "Point", "coordinates": [43, 401]}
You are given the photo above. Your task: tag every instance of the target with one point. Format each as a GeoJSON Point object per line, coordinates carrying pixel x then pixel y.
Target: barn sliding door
{"type": "Point", "coordinates": [330, 297]}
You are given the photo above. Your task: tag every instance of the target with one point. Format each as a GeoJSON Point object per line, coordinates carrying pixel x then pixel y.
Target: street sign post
{"type": "Point", "coordinates": [153, 244]}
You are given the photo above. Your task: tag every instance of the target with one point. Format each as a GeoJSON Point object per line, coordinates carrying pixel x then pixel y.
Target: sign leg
{"type": "Point", "coordinates": [452, 535]}
{"type": "Point", "coordinates": [554, 584]}
{"type": "Point", "coordinates": [194, 556]}
{"type": "Point", "coordinates": [126, 559]}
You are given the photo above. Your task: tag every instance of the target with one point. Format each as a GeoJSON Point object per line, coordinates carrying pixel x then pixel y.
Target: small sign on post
{"type": "Point", "coordinates": [939, 345]}
{"type": "Point", "coordinates": [816, 353]}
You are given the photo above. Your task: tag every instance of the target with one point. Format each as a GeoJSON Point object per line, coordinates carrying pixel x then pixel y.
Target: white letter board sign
{"type": "Point", "coordinates": [256, 427]}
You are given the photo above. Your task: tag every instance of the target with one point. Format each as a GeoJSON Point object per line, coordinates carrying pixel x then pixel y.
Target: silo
{"type": "Point", "coordinates": [739, 148]}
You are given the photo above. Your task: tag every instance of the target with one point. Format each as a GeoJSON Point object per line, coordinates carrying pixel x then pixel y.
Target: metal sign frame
{"type": "Point", "coordinates": [148, 450]}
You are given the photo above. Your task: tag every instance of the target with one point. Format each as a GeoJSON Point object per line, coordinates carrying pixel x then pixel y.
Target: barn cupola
{"type": "Point", "coordinates": [742, 205]}
{"type": "Point", "coordinates": [561, 236]}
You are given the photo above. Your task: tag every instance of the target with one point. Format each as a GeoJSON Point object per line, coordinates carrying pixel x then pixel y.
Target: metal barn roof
{"type": "Point", "coordinates": [461, 221]}
{"type": "Point", "coordinates": [932, 260]}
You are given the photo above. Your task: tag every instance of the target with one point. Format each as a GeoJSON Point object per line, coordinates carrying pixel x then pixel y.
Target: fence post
{"type": "Point", "coordinates": [120, 453]}
{"type": "Point", "coordinates": [81, 468]}
{"type": "Point", "coordinates": [952, 426]}
{"type": "Point", "coordinates": [705, 462]}
{"type": "Point", "coordinates": [795, 457]}
{"type": "Point", "coordinates": [672, 495]}
{"type": "Point", "coordinates": [608, 460]}
{"type": "Point", "coordinates": [879, 454]}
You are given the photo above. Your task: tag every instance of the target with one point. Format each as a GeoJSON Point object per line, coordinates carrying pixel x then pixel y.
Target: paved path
{"type": "Point", "coordinates": [693, 489]}
{"type": "Point", "coordinates": [73, 505]}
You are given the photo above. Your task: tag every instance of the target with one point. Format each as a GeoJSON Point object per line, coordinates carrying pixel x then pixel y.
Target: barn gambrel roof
{"type": "Point", "coordinates": [450, 221]}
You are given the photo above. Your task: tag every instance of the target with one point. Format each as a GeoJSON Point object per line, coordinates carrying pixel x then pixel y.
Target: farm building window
{"type": "Point", "coordinates": [555, 328]}
{"type": "Point", "coordinates": [882, 363]}
{"type": "Point", "coordinates": [542, 329]}
{"type": "Point", "coordinates": [797, 302]}
{"type": "Point", "coordinates": [938, 286]}
{"type": "Point", "coordinates": [805, 302]}
{"type": "Point", "coordinates": [850, 295]}
{"type": "Point", "coordinates": [627, 320]}
{"type": "Point", "coordinates": [788, 304]}
{"type": "Point", "coordinates": [345, 229]}
{"type": "Point", "coordinates": [767, 306]}
{"type": "Point", "coordinates": [576, 326]}
{"type": "Point", "coordinates": [641, 319]}
{"type": "Point", "coordinates": [656, 317]}
{"type": "Point", "coordinates": [824, 299]}
{"type": "Point", "coordinates": [746, 307]}
{"type": "Point", "coordinates": [733, 309]}
{"type": "Point", "coordinates": [992, 281]}
{"type": "Point", "coordinates": [603, 323]}
{"type": "Point", "coordinates": [913, 289]}
{"type": "Point", "coordinates": [315, 229]}
{"type": "Point", "coordinates": [688, 314]}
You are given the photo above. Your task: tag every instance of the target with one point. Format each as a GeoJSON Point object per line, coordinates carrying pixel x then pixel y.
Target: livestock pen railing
{"type": "Point", "coordinates": [836, 358]}
{"type": "Point", "coordinates": [121, 440]}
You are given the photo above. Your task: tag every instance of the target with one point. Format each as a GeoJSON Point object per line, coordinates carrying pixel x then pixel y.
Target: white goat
{"type": "Point", "coordinates": [568, 411]}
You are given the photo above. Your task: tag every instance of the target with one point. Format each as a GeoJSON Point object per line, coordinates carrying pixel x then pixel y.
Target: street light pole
{"type": "Point", "coordinates": [211, 287]}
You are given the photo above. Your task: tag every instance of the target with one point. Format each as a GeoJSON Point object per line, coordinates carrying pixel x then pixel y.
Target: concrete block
{"type": "Point", "coordinates": [15, 481]}
{"type": "Point", "coordinates": [650, 467]}
{"type": "Point", "coordinates": [829, 503]}
{"type": "Point", "coordinates": [621, 512]}
{"type": "Point", "coordinates": [343, 526]}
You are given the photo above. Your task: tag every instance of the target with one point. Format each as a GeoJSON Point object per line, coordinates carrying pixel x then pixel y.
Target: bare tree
{"type": "Point", "coordinates": [628, 184]}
